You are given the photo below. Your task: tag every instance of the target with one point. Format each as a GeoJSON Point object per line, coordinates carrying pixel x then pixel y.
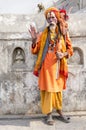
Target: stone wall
{"type": "Point", "coordinates": [75, 96]}
{"type": "Point", "coordinates": [18, 86]}
{"type": "Point", "coordinates": [19, 92]}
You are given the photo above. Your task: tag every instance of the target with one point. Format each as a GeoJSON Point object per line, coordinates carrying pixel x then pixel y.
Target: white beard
{"type": "Point", "coordinates": [52, 27]}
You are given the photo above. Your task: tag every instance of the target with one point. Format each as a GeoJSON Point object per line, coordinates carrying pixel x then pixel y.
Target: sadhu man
{"type": "Point", "coordinates": [51, 65]}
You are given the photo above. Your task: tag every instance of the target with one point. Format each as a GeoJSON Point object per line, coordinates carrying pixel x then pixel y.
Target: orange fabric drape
{"type": "Point", "coordinates": [47, 76]}
{"type": "Point", "coordinates": [50, 101]}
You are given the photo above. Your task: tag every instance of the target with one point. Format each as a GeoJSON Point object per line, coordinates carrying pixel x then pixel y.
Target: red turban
{"type": "Point", "coordinates": [64, 11]}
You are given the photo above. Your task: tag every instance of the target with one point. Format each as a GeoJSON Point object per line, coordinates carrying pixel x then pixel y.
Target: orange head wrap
{"type": "Point", "coordinates": [53, 9]}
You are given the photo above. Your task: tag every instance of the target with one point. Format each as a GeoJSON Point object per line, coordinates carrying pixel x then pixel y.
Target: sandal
{"type": "Point", "coordinates": [64, 119]}
{"type": "Point", "coordinates": [49, 120]}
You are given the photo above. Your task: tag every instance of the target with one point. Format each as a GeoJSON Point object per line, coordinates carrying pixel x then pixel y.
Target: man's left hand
{"type": "Point", "coordinates": [59, 55]}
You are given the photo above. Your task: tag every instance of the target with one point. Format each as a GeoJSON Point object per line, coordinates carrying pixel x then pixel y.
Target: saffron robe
{"type": "Point", "coordinates": [47, 75]}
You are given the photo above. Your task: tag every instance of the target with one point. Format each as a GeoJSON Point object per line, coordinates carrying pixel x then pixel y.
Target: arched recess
{"type": "Point", "coordinates": [18, 56]}
{"type": "Point", "coordinates": [77, 58]}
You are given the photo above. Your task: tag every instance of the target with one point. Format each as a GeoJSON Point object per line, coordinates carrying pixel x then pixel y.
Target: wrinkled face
{"type": "Point", "coordinates": [51, 18]}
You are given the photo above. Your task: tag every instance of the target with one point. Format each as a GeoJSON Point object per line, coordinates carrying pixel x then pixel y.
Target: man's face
{"type": "Point", "coordinates": [51, 18]}
{"type": "Point", "coordinates": [62, 15]}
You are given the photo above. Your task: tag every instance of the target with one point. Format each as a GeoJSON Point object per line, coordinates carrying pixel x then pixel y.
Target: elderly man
{"type": "Point", "coordinates": [51, 64]}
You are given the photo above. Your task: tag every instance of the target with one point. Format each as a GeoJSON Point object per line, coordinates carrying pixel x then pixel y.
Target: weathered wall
{"type": "Point", "coordinates": [75, 96]}
{"type": "Point", "coordinates": [18, 86]}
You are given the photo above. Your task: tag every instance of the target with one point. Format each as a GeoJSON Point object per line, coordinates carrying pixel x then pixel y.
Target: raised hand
{"type": "Point", "coordinates": [33, 32]}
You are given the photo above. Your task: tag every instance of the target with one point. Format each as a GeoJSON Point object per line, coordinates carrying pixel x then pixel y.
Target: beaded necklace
{"type": "Point", "coordinates": [53, 39]}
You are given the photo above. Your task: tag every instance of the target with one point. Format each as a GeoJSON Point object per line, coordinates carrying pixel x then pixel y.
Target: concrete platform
{"type": "Point", "coordinates": [21, 122]}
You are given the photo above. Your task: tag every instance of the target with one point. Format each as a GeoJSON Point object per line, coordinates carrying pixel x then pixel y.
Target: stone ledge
{"type": "Point", "coordinates": [37, 116]}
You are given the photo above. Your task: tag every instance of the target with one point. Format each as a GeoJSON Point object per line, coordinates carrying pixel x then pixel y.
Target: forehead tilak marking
{"type": "Point", "coordinates": [50, 14]}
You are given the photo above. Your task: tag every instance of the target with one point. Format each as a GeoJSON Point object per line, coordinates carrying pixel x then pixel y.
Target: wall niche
{"type": "Point", "coordinates": [18, 59]}
{"type": "Point", "coordinates": [77, 58]}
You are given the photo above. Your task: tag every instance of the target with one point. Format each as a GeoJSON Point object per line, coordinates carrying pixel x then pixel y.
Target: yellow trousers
{"type": "Point", "coordinates": [50, 100]}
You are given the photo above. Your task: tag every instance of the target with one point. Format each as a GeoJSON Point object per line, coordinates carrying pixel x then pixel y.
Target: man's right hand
{"type": "Point", "coordinates": [33, 33]}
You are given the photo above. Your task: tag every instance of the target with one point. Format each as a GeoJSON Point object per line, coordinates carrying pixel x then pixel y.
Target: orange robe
{"type": "Point", "coordinates": [51, 87]}
{"type": "Point", "coordinates": [47, 75]}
